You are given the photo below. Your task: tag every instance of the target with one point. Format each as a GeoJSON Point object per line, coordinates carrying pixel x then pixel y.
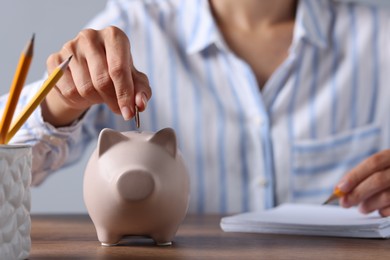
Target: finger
{"type": "Point", "coordinates": [374, 163]}
{"type": "Point", "coordinates": [77, 75]}
{"type": "Point", "coordinates": [85, 84]}
{"type": "Point", "coordinates": [119, 67]}
{"type": "Point", "coordinates": [53, 61]}
{"type": "Point", "coordinates": [66, 84]}
{"type": "Point", "coordinates": [385, 212]}
{"type": "Point", "coordinates": [95, 85]}
{"type": "Point", "coordinates": [374, 184]}
{"type": "Point", "coordinates": [142, 89]}
{"type": "Point", "coordinates": [379, 201]}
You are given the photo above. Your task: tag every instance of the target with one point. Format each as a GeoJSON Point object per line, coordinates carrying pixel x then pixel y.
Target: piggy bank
{"type": "Point", "coordinates": [136, 183]}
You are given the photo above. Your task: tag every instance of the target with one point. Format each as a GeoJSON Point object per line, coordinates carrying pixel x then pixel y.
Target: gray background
{"type": "Point", "coordinates": [54, 22]}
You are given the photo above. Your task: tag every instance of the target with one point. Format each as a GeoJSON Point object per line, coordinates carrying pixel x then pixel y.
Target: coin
{"type": "Point", "coordinates": [137, 124]}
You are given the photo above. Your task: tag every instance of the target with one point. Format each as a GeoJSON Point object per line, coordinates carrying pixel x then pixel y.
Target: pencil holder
{"type": "Point", "coordinates": [15, 201]}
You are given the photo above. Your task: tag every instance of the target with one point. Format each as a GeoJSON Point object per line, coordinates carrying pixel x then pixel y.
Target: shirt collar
{"type": "Point", "coordinates": [201, 29]}
{"type": "Point", "coordinates": [313, 22]}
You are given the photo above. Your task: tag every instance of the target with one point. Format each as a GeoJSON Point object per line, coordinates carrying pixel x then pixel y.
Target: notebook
{"type": "Point", "coordinates": [314, 220]}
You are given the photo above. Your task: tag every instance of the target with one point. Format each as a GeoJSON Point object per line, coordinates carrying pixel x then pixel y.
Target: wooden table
{"type": "Point", "coordinates": [199, 237]}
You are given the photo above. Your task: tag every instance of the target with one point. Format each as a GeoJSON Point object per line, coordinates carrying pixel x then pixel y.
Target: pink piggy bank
{"type": "Point", "coordinates": [136, 183]}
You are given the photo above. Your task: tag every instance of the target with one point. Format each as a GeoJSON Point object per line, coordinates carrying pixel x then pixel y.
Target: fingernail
{"type": "Point", "coordinates": [344, 202]}
{"type": "Point", "coordinates": [343, 186]}
{"type": "Point", "coordinates": [141, 98]}
{"type": "Point", "coordinates": [144, 100]}
{"type": "Point", "coordinates": [363, 209]}
{"type": "Point", "coordinates": [126, 112]}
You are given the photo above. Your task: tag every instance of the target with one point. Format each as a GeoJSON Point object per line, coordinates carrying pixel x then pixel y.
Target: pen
{"type": "Point", "coordinates": [16, 89]}
{"type": "Point", "coordinates": [37, 99]}
{"type": "Point", "coordinates": [337, 193]}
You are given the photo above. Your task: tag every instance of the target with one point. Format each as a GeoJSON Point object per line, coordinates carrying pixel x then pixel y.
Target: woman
{"type": "Point", "coordinates": [272, 101]}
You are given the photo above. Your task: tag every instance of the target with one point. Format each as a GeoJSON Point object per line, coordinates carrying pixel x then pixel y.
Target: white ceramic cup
{"type": "Point", "coordinates": [15, 201]}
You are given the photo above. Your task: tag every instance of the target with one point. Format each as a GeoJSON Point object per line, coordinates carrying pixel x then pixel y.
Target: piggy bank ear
{"type": "Point", "coordinates": [108, 138]}
{"type": "Point", "coordinates": [166, 138]}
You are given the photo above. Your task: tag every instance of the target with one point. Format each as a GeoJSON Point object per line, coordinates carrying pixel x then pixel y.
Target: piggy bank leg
{"type": "Point", "coordinates": [108, 239]}
{"type": "Point", "coordinates": [162, 241]}
{"type": "Point", "coordinates": [163, 238]}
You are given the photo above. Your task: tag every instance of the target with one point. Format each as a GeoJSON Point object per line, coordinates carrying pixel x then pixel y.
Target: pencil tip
{"type": "Point", "coordinates": [65, 63]}
{"type": "Point", "coordinates": [29, 49]}
{"type": "Point", "coordinates": [330, 199]}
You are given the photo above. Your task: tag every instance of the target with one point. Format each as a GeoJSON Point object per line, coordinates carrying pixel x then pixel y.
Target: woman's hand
{"type": "Point", "coordinates": [101, 71]}
{"type": "Point", "coordinates": [368, 185]}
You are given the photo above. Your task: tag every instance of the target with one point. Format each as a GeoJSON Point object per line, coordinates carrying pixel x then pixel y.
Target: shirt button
{"type": "Point", "coordinates": [258, 120]}
{"type": "Point", "coordinates": [55, 140]}
{"type": "Point", "coordinates": [262, 182]}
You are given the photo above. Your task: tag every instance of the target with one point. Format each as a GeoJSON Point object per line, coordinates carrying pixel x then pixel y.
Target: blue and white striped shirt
{"type": "Point", "coordinates": [321, 112]}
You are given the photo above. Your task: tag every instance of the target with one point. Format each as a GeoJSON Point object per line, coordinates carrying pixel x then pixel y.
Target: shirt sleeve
{"type": "Point", "coordinates": [56, 147]}
{"type": "Point", "coordinates": [51, 146]}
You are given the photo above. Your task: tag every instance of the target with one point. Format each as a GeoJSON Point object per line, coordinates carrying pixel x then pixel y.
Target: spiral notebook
{"type": "Point", "coordinates": [314, 220]}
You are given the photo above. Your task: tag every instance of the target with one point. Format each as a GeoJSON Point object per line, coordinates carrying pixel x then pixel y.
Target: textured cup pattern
{"type": "Point", "coordinates": [15, 202]}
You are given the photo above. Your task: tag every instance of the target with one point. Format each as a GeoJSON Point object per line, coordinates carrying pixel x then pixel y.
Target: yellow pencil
{"type": "Point", "coordinates": [37, 99]}
{"type": "Point", "coordinates": [16, 88]}
{"type": "Point", "coordinates": [337, 193]}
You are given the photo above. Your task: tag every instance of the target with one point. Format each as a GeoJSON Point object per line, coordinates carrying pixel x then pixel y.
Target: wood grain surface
{"type": "Point", "coordinates": [199, 237]}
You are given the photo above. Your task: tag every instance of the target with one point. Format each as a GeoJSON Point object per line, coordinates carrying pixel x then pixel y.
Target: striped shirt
{"type": "Point", "coordinates": [321, 112]}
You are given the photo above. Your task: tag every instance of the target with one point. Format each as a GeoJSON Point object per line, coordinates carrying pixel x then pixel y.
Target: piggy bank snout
{"type": "Point", "coordinates": [135, 185]}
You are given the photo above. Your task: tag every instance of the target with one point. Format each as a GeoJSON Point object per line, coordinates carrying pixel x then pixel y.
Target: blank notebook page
{"type": "Point", "coordinates": [328, 220]}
